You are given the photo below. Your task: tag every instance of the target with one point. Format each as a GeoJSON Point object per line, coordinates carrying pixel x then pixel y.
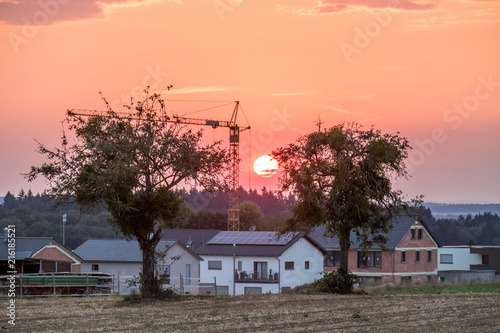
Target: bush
{"type": "Point", "coordinates": [338, 282]}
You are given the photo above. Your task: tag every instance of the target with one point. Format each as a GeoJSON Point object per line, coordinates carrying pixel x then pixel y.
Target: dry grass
{"type": "Point", "coordinates": [264, 313]}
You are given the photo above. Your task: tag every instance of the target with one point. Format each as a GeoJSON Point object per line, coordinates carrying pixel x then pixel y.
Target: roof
{"type": "Point", "coordinates": [194, 238]}
{"type": "Point", "coordinates": [25, 246]}
{"type": "Point", "coordinates": [263, 250]}
{"type": "Point", "coordinates": [119, 250]}
{"type": "Point", "coordinates": [400, 228]}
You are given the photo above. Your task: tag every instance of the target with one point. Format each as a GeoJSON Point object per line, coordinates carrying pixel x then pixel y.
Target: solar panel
{"type": "Point", "coordinates": [251, 238]}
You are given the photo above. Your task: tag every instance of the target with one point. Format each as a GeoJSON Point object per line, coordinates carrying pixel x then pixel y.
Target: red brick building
{"type": "Point", "coordinates": [410, 255]}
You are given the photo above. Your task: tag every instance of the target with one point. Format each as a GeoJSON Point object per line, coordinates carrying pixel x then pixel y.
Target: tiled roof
{"type": "Point", "coordinates": [195, 237]}
{"type": "Point", "coordinates": [25, 246]}
{"type": "Point", "coordinates": [254, 250]}
{"type": "Point", "coordinates": [119, 250]}
{"type": "Point", "coordinates": [401, 227]}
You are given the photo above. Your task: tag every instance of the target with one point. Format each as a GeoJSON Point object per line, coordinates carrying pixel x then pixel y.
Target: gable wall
{"type": "Point", "coordinates": [53, 253]}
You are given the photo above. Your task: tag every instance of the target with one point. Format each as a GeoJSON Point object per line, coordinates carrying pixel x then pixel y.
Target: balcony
{"type": "Point", "coordinates": [256, 277]}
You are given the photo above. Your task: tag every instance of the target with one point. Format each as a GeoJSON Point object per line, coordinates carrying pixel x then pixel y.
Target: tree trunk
{"type": "Point", "coordinates": [150, 285]}
{"type": "Point", "coordinates": [345, 244]}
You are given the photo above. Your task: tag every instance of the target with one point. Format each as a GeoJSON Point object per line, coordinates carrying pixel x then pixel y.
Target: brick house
{"type": "Point", "coordinates": [410, 255]}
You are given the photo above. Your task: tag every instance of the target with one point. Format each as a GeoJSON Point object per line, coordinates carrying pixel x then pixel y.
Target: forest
{"type": "Point", "coordinates": [35, 216]}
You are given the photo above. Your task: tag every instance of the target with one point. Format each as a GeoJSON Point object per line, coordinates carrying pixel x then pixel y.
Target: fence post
{"type": "Point", "coordinates": [215, 285]}
{"type": "Point", "coordinates": [181, 284]}
{"type": "Point", "coordinates": [118, 284]}
{"type": "Point", "coordinates": [54, 283]}
{"type": "Point", "coordinates": [87, 283]}
{"type": "Point", "coordinates": [21, 284]}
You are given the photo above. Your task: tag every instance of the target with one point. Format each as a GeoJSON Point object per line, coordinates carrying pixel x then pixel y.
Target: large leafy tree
{"type": "Point", "coordinates": [132, 162]}
{"type": "Point", "coordinates": [341, 178]}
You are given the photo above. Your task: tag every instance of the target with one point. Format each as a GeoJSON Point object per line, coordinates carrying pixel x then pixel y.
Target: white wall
{"type": "Point", "coordinates": [299, 253]}
{"type": "Point", "coordinates": [462, 259]}
{"type": "Point", "coordinates": [124, 271]}
{"type": "Point", "coordinates": [177, 267]}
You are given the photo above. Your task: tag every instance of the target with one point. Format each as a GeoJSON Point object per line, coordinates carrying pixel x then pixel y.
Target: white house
{"type": "Point", "coordinates": [461, 263]}
{"type": "Point", "coordinates": [123, 260]}
{"type": "Point", "coordinates": [255, 262]}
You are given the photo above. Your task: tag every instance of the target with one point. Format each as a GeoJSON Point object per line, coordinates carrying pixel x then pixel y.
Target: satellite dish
{"type": "Point", "coordinates": [253, 227]}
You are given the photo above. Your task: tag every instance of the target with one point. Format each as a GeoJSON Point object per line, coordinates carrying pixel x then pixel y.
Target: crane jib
{"type": "Point", "coordinates": [214, 123]}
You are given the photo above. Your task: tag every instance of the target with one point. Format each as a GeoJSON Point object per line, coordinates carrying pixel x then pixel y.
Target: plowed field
{"type": "Point", "coordinates": [263, 313]}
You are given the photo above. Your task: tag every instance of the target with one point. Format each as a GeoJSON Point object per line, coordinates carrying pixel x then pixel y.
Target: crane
{"type": "Point", "coordinates": [233, 213]}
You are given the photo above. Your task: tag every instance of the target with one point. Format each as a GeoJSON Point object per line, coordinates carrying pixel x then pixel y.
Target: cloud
{"type": "Point", "coordinates": [301, 93]}
{"type": "Point", "coordinates": [45, 12]}
{"type": "Point", "coordinates": [334, 6]}
{"type": "Point", "coordinates": [193, 90]}
{"type": "Point", "coordinates": [334, 108]}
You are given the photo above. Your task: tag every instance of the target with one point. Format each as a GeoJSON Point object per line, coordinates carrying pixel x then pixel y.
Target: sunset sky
{"type": "Point", "coordinates": [428, 69]}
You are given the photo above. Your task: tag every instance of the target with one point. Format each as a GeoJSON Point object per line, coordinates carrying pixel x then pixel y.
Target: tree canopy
{"type": "Point", "coordinates": [341, 178]}
{"type": "Point", "coordinates": [132, 162]}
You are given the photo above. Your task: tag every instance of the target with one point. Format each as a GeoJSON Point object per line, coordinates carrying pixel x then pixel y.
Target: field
{"type": "Point", "coordinates": [462, 312]}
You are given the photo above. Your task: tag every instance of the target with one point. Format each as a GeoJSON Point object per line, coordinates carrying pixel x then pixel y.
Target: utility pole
{"type": "Point", "coordinates": [63, 223]}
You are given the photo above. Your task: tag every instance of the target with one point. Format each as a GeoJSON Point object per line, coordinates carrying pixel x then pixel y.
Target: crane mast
{"type": "Point", "coordinates": [233, 213]}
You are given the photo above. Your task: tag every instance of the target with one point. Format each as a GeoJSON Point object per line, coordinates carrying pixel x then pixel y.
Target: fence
{"type": "Point", "coordinates": [56, 284]}
{"type": "Point", "coordinates": [86, 284]}
{"type": "Point", "coordinates": [195, 286]}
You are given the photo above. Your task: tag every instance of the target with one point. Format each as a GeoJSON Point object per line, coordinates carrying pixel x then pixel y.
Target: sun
{"type": "Point", "coordinates": [265, 166]}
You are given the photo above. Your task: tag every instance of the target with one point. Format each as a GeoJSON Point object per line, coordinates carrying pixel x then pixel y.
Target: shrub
{"type": "Point", "coordinates": [338, 282]}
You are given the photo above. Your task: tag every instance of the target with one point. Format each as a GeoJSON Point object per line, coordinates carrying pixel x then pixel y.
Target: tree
{"type": "Point", "coordinates": [250, 215]}
{"type": "Point", "coordinates": [131, 163]}
{"type": "Point", "coordinates": [341, 179]}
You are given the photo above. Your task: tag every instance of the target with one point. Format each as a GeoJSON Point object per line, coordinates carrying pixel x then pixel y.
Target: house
{"type": "Point", "coordinates": [256, 262]}
{"type": "Point", "coordinates": [123, 259]}
{"type": "Point", "coordinates": [410, 254]}
{"type": "Point", "coordinates": [38, 255]}
{"type": "Point", "coordinates": [468, 262]}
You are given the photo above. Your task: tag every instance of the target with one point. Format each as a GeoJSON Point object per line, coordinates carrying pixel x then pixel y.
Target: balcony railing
{"type": "Point", "coordinates": [256, 277]}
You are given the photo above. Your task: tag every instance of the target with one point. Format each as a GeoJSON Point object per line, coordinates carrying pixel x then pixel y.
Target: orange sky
{"type": "Point", "coordinates": [428, 69]}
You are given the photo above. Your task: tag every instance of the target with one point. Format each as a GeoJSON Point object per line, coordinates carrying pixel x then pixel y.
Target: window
{"type": "Point", "coordinates": [371, 259]}
{"type": "Point", "coordinates": [306, 265]}
{"type": "Point", "coordinates": [485, 259]}
{"type": "Point", "coordinates": [446, 258]}
{"type": "Point", "coordinates": [403, 256]}
{"type": "Point", "coordinates": [417, 256]}
{"type": "Point", "coordinates": [429, 256]}
{"type": "Point", "coordinates": [214, 265]}
{"type": "Point", "coordinates": [187, 276]}
{"type": "Point", "coordinates": [332, 259]}
{"type": "Point", "coordinates": [240, 265]}
{"type": "Point", "coordinates": [260, 270]}
{"type": "Point", "coordinates": [419, 233]}
{"type": "Point", "coordinates": [289, 265]}
{"type": "Point", "coordinates": [95, 267]}
{"type": "Point", "coordinates": [412, 231]}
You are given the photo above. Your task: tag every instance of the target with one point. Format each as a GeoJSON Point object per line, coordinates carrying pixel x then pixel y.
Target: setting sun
{"type": "Point", "coordinates": [265, 166]}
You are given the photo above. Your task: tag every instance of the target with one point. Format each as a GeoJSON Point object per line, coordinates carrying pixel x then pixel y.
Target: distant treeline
{"type": "Point", "coordinates": [34, 216]}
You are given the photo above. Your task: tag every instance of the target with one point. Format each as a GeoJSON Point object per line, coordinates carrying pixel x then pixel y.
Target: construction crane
{"type": "Point", "coordinates": [233, 212]}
